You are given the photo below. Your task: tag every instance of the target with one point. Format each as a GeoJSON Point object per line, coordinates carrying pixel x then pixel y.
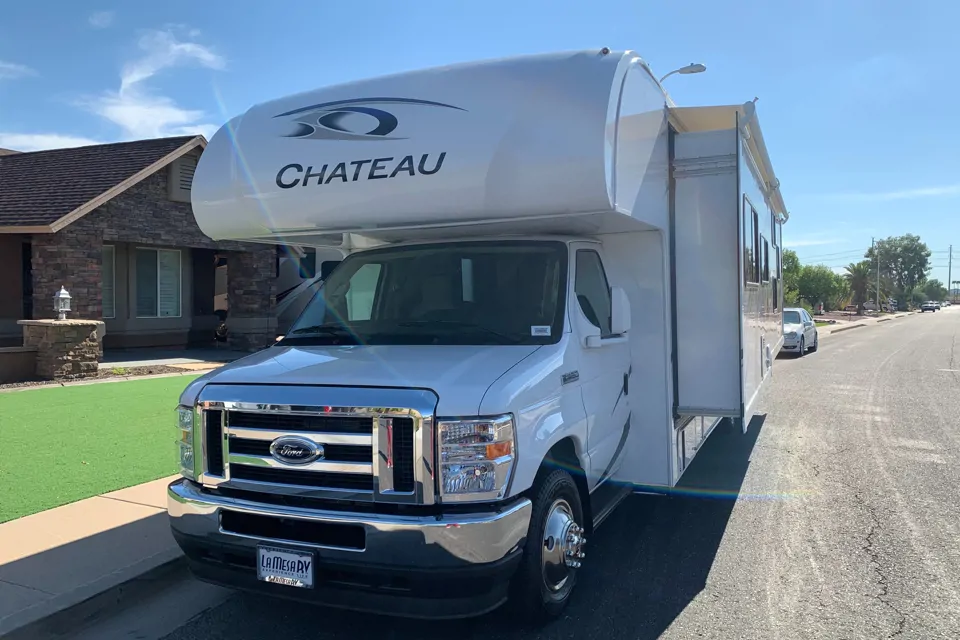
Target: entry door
{"type": "Point", "coordinates": [604, 370]}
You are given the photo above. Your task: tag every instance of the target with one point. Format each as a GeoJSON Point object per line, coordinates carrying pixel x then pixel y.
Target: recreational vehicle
{"type": "Point", "coordinates": [556, 284]}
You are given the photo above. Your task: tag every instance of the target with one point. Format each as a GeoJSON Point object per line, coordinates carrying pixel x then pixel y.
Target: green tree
{"type": "Point", "coordinates": [817, 283]}
{"type": "Point", "coordinates": [934, 290]}
{"type": "Point", "coordinates": [857, 277]}
{"type": "Point", "coordinates": [841, 292]}
{"type": "Point", "coordinates": [791, 276]}
{"type": "Point", "coordinates": [904, 259]}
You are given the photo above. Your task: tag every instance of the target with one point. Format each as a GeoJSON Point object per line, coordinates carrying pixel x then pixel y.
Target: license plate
{"type": "Point", "coordinates": [284, 566]}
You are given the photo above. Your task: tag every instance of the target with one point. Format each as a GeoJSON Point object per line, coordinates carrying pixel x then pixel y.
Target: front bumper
{"type": "Point", "coordinates": [790, 344]}
{"type": "Point", "coordinates": [432, 566]}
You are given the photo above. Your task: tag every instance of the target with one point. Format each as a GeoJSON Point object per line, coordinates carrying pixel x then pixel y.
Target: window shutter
{"type": "Point", "coordinates": [107, 281]}
{"type": "Point", "coordinates": [168, 285]}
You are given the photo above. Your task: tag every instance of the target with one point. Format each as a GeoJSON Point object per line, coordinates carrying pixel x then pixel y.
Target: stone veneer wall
{"type": "Point", "coordinates": [144, 214]}
{"type": "Point", "coordinates": [66, 349]}
{"type": "Point", "coordinates": [251, 298]}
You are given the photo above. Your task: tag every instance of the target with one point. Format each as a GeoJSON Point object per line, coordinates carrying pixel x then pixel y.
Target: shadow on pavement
{"type": "Point", "coordinates": [645, 565]}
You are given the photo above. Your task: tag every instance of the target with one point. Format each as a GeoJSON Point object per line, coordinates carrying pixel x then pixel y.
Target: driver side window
{"type": "Point", "coordinates": [592, 290]}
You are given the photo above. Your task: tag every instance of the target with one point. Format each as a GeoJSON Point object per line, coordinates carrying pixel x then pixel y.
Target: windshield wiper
{"type": "Point", "coordinates": [459, 323]}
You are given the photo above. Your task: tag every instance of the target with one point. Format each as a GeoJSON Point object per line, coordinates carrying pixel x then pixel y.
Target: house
{"type": "Point", "coordinates": [113, 224]}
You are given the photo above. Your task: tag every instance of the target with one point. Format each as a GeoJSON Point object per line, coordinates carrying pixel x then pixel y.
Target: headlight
{"type": "Point", "coordinates": [185, 420]}
{"type": "Point", "coordinates": [790, 334]}
{"type": "Point", "coordinates": [476, 458]}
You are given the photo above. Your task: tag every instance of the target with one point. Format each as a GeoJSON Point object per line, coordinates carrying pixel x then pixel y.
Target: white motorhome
{"type": "Point", "coordinates": [556, 284]}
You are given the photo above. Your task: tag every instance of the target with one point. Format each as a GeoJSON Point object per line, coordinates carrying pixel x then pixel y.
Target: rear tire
{"type": "Point", "coordinates": [553, 551]}
{"type": "Point", "coordinates": [816, 343]}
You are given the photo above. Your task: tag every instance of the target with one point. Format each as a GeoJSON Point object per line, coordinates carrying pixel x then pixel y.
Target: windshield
{"type": "Point", "coordinates": [791, 317]}
{"type": "Point", "coordinates": [451, 293]}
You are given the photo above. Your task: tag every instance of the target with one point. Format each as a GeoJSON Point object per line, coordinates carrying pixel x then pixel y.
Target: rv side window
{"type": "Point", "coordinates": [766, 260]}
{"type": "Point", "coordinates": [592, 290]}
{"type": "Point", "coordinates": [749, 243]}
{"type": "Point", "coordinates": [758, 267]}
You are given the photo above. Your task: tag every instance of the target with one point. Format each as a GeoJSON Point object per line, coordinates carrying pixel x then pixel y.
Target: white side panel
{"type": "Point", "coordinates": [707, 274]}
{"type": "Point", "coordinates": [762, 311]}
{"type": "Point", "coordinates": [638, 262]}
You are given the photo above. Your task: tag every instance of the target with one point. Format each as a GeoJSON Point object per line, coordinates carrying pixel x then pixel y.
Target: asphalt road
{"type": "Point", "coordinates": [837, 516]}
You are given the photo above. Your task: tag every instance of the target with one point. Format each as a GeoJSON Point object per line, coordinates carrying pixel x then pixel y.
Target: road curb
{"type": "Point", "coordinates": [847, 328]}
{"type": "Point", "coordinates": [884, 320]}
{"type": "Point", "coordinates": [63, 616]}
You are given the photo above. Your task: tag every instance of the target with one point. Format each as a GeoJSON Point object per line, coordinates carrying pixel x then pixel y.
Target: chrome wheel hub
{"type": "Point", "coordinates": [562, 545]}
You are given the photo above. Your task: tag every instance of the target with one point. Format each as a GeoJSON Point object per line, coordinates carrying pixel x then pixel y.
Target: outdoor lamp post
{"type": "Point", "coordinates": [693, 67]}
{"type": "Point", "coordinates": [61, 303]}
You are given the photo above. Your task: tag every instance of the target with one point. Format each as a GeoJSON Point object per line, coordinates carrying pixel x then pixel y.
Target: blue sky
{"type": "Point", "coordinates": [857, 97]}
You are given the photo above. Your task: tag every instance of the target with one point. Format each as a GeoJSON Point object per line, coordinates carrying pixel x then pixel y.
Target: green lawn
{"type": "Point", "coordinates": [823, 324]}
{"type": "Point", "coordinates": [63, 444]}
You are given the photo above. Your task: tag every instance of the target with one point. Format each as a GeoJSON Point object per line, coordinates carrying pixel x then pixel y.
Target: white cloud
{"type": "Point", "coordinates": [41, 141]}
{"type": "Point", "coordinates": [902, 194]}
{"type": "Point", "coordinates": [101, 19]}
{"type": "Point", "coordinates": [12, 70]}
{"type": "Point", "coordinates": [133, 107]}
{"type": "Point", "coordinates": [142, 114]}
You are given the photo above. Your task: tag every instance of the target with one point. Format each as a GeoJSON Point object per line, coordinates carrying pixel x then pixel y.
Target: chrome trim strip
{"type": "Point", "coordinates": [320, 437]}
{"type": "Point", "coordinates": [318, 465]}
{"type": "Point", "coordinates": [301, 491]}
{"type": "Point", "coordinates": [383, 454]}
{"type": "Point", "coordinates": [376, 403]}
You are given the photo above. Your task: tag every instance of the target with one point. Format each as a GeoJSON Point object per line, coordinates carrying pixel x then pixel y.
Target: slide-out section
{"type": "Point", "coordinates": [706, 267]}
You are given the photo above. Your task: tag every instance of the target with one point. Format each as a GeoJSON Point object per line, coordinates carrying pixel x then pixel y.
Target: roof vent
{"type": "Point", "coordinates": [181, 178]}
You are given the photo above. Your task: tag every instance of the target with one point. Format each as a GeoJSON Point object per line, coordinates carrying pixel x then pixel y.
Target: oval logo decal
{"type": "Point", "coordinates": [295, 450]}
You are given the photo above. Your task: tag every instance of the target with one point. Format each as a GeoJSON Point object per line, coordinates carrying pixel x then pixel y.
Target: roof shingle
{"type": "Point", "coordinates": [40, 187]}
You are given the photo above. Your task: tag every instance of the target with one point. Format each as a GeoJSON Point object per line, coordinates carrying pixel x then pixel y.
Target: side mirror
{"type": "Point", "coordinates": [619, 311]}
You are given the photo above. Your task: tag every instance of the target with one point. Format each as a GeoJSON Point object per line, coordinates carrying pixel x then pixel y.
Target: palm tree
{"type": "Point", "coordinates": [858, 277]}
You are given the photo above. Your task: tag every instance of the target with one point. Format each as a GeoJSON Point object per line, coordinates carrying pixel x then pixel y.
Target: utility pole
{"type": "Point", "coordinates": [876, 254]}
{"type": "Point", "coordinates": [950, 272]}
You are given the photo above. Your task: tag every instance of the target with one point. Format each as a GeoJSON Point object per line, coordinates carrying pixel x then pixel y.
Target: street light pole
{"type": "Point", "coordinates": [693, 67]}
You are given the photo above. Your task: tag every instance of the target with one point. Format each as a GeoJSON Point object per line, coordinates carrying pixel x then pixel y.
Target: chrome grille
{"type": "Point", "coordinates": [370, 453]}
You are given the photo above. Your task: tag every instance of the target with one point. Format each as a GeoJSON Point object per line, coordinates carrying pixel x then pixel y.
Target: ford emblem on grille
{"type": "Point", "coordinates": [295, 450]}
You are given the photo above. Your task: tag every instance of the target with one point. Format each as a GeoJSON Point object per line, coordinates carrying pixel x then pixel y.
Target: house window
{"type": "Point", "coordinates": [592, 290]}
{"type": "Point", "coordinates": [108, 281]}
{"type": "Point", "coordinates": [158, 283]}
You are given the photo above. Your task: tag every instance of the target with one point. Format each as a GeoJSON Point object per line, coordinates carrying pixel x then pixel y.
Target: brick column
{"type": "Point", "coordinates": [252, 299]}
{"type": "Point", "coordinates": [70, 258]}
{"type": "Point", "coordinates": [66, 349]}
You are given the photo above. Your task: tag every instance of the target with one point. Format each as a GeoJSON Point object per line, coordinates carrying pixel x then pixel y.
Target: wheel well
{"type": "Point", "coordinates": [563, 455]}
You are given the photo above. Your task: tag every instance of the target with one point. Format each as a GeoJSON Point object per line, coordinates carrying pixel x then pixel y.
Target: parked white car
{"type": "Point", "coordinates": [799, 331]}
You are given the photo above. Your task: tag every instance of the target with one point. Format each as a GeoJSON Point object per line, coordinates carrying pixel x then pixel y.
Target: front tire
{"type": "Point", "coordinates": [553, 552]}
{"type": "Point", "coordinates": [803, 348]}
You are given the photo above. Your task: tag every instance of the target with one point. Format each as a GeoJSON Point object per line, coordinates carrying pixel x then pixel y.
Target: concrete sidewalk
{"type": "Point", "coordinates": [53, 560]}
